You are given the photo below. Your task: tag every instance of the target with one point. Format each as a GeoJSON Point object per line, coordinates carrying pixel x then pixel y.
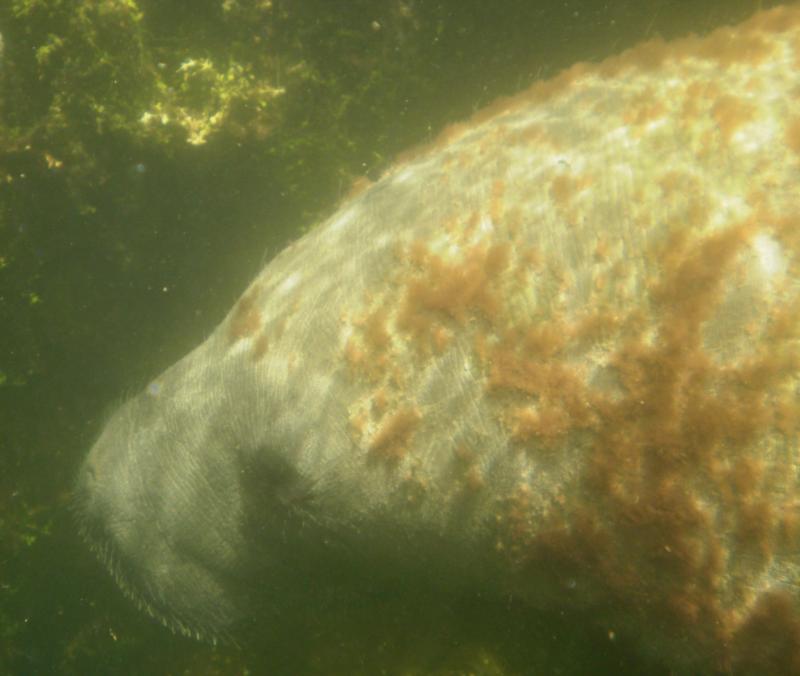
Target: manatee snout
{"type": "Point", "coordinates": [163, 520]}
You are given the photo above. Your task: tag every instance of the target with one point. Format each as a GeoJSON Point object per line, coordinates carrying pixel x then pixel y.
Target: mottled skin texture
{"type": "Point", "coordinates": [554, 355]}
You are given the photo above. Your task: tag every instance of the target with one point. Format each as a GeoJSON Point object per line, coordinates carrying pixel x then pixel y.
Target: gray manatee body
{"type": "Point", "coordinates": [556, 350]}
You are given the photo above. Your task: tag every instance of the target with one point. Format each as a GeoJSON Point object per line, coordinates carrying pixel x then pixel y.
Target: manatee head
{"type": "Point", "coordinates": [158, 498]}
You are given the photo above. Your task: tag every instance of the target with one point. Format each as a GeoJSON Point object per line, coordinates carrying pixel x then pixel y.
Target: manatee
{"type": "Point", "coordinates": [553, 355]}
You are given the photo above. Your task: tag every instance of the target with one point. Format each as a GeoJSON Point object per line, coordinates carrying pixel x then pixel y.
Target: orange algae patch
{"type": "Point", "coordinates": [692, 274]}
{"type": "Point", "coordinates": [755, 528]}
{"type": "Point", "coordinates": [746, 476]}
{"type": "Point", "coordinates": [379, 402]}
{"type": "Point", "coordinates": [548, 423]}
{"type": "Point", "coordinates": [367, 351]}
{"type": "Point", "coordinates": [565, 400]}
{"type": "Point", "coordinates": [787, 231]}
{"type": "Point", "coordinates": [645, 109]}
{"type": "Point", "coordinates": [698, 98]}
{"type": "Point", "coordinates": [360, 185]}
{"type": "Point", "coordinates": [731, 113]}
{"type": "Point", "coordinates": [510, 370]}
{"type": "Point", "coordinates": [260, 346]}
{"type": "Point", "coordinates": [452, 290]}
{"type": "Point", "coordinates": [562, 189]}
{"type": "Point", "coordinates": [473, 479]}
{"type": "Point", "coordinates": [598, 325]}
{"type": "Point", "coordinates": [496, 205]}
{"type": "Point", "coordinates": [467, 469]}
{"type": "Point", "coordinates": [793, 136]}
{"type": "Point", "coordinates": [392, 439]}
{"type": "Point", "coordinates": [246, 317]}
{"type": "Point", "coordinates": [775, 21]}
{"type": "Point", "coordinates": [354, 354]}
{"type": "Point", "coordinates": [788, 525]}
{"type": "Point", "coordinates": [728, 46]}
{"type": "Point", "coordinates": [376, 336]}
{"type": "Point", "coordinates": [529, 363]}
{"type": "Point", "coordinates": [768, 643]}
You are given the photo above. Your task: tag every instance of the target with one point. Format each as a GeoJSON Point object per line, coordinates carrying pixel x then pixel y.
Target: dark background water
{"type": "Point", "coordinates": [123, 245]}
